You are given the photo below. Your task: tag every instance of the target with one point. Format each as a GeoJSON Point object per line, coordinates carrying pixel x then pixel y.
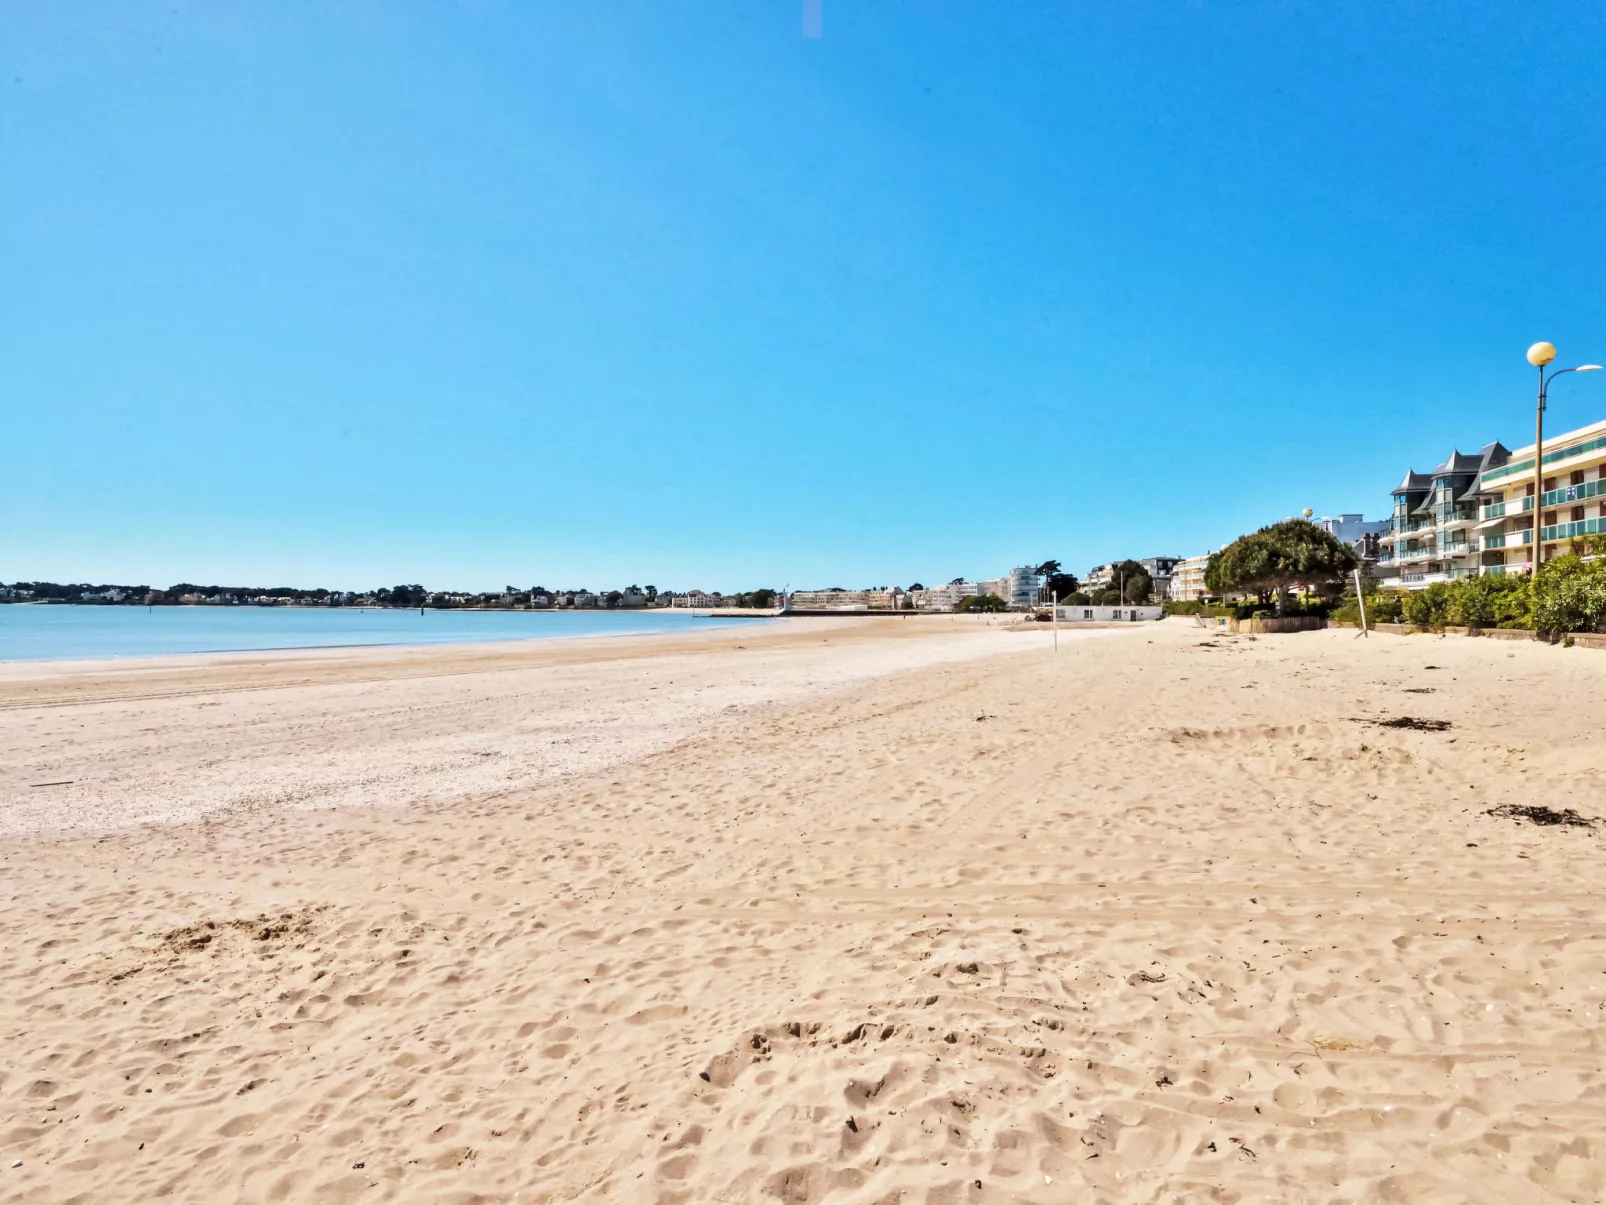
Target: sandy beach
{"type": "Point", "coordinates": [820, 911]}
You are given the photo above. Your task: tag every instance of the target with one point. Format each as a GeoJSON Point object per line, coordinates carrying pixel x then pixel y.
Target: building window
{"type": "Point", "coordinates": [1577, 477]}
{"type": "Point", "coordinates": [1578, 514]}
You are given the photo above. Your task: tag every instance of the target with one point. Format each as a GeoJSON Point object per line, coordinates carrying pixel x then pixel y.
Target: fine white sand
{"type": "Point", "coordinates": [887, 911]}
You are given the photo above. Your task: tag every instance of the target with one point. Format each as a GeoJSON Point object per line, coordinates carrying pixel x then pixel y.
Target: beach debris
{"type": "Point", "coordinates": [1137, 977]}
{"type": "Point", "coordinates": [1419, 690]}
{"type": "Point", "coordinates": [66, 782]}
{"type": "Point", "coordinates": [1408, 721]}
{"type": "Point", "coordinates": [1541, 815]}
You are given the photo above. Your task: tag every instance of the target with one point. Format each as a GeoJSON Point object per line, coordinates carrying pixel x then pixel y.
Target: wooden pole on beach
{"type": "Point", "coordinates": [1055, 612]}
{"type": "Point", "coordinates": [1360, 600]}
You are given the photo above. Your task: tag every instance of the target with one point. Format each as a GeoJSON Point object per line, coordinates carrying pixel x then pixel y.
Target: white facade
{"type": "Point", "coordinates": [943, 598]}
{"type": "Point", "coordinates": [1187, 579]}
{"type": "Point", "coordinates": [892, 599]}
{"type": "Point", "coordinates": [1107, 614]}
{"type": "Point", "coordinates": [1022, 588]}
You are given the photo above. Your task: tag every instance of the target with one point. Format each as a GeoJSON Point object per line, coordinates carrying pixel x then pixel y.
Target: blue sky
{"type": "Point", "coordinates": [494, 293]}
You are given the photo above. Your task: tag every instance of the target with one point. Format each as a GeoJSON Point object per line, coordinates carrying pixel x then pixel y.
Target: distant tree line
{"type": "Point", "coordinates": [401, 595]}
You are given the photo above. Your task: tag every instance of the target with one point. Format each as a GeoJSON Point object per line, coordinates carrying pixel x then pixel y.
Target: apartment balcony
{"type": "Point", "coordinates": [1569, 531]}
{"type": "Point", "coordinates": [1570, 493]}
{"type": "Point", "coordinates": [1556, 531]}
{"type": "Point", "coordinates": [1441, 575]}
{"type": "Point", "coordinates": [1410, 556]}
{"type": "Point", "coordinates": [1498, 510]}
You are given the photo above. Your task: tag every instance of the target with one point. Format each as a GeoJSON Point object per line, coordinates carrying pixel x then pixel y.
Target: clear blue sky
{"type": "Point", "coordinates": [592, 294]}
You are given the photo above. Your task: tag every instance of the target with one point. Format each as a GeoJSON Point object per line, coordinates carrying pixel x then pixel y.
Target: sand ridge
{"type": "Point", "coordinates": [1163, 918]}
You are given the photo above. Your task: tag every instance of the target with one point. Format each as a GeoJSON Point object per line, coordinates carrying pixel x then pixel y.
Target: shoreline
{"type": "Point", "coordinates": [181, 738]}
{"type": "Point", "coordinates": [398, 644]}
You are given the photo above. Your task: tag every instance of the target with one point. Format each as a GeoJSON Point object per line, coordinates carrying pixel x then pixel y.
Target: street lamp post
{"type": "Point", "coordinates": [1541, 355]}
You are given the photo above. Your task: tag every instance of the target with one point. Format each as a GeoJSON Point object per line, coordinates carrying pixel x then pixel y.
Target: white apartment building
{"type": "Point", "coordinates": [1572, 501]}
{"type": "Point", "coordinates": [944, 598]}
{"type": "Point", "coordinates": [887, 599]}
{"type": "Point", "coordinates": [1436, 533]}
{"type": "Point", "coordinates": [1187, 579]}
{"type": "Point", "coordinates": [1021, 589]}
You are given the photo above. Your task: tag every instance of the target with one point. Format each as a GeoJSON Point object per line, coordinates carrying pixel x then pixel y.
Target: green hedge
{"type": "Point", "coordinates": [1569, 595]}
{"type": "Point", "coordinates": [1247, 610]}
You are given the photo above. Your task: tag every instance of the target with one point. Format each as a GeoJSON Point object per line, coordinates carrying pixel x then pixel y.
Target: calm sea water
{"type": "Point", "coordinates": [50, 633]}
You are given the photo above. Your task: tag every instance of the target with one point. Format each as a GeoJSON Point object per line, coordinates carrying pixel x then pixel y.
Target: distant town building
{"type": "Point", "coordinates": [886, 599]}
{"type": "Point", "coordinates": [1187, 579]}
{"type": "Point", "coordinates": [1022, 588]}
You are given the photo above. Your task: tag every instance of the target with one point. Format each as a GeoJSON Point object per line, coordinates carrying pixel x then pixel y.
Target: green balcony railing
{"type": "Point", "coordinates": [1527, 466]}
{"type": "Point", "coordinates": [1496, 510]}
{"type": "Point", "coordinates": [1570, 493]}
{"type": "Point", "coordinates": [1568, 531]}
{"type": "Point", "coordinates": [1556, 531]}
{"type": "Point", "coordinates": [1404, 527]}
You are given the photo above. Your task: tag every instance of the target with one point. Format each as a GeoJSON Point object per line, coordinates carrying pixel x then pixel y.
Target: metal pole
{"type": "Point", "coordinates": [1360, 599]}
{"type": "Point", "coordinates": [1056, 614]}
{"type": "Point", "coordinates": [1539, 460]}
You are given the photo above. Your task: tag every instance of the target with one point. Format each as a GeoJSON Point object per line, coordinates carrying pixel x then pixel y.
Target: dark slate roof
{"type": "Point", "coordinates": [1457, 464]}
{"type": "Point", "coordinates": [1413, 481]}
{"type": "Point", "coordinates": [1493, 456]}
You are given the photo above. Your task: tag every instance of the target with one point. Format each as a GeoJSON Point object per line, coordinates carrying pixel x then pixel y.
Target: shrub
{"type": "Point", "coordinates": [1429, 608]}
{"type": "Point", "coordinates": [1569, 595]}
{"type": "Point", "coordinates": [1190, 606]}
{"type": "Point", "coordinates": [1491, 601]}
{"type": "Point", "coordinates": [1381, 607]}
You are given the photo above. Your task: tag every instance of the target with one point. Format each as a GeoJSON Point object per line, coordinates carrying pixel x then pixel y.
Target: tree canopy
{"type": "Point", "coordinates": [981, 602]}
{"type": "Point", "coordinates": [1294, 552]}
{"type": "Point", "coordinates": [1062, 584]}
{"type": "Point", "coordinates": [1130, 585]}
